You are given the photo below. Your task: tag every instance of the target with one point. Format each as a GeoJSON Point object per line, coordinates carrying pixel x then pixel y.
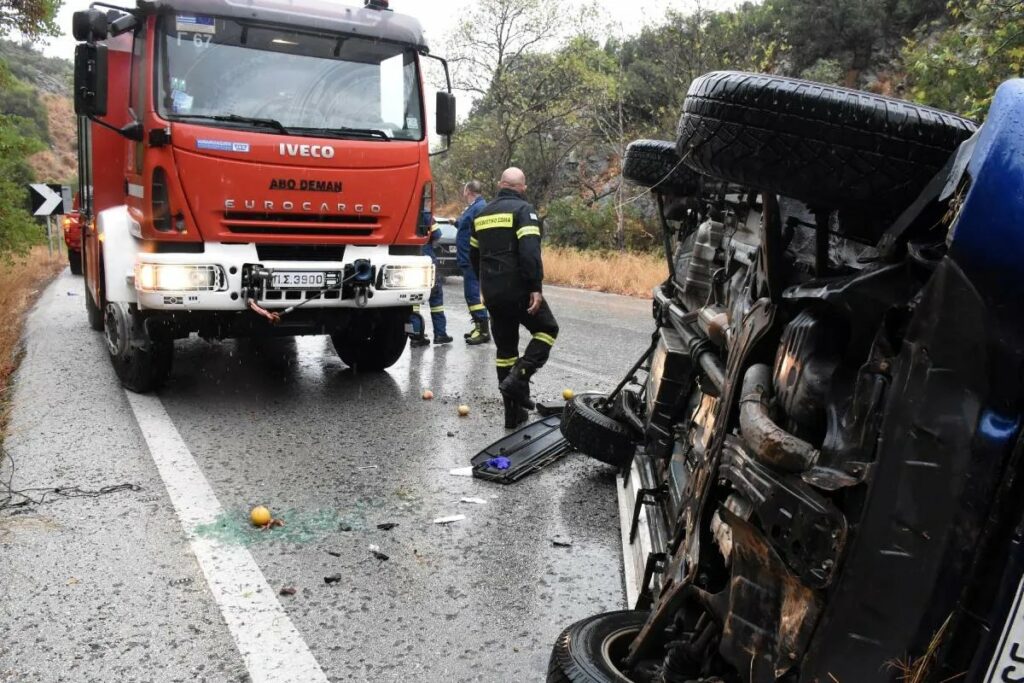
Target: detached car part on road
{"type": "Point", "coordinates": [827, 423]}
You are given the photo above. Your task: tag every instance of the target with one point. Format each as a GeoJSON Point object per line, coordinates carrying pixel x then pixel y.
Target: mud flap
{"type": "Point", "coordinates": [526, 450]}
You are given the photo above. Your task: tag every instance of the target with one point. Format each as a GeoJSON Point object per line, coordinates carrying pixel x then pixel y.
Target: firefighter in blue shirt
{"type": "Point", "coordinates": [437, 317]}
{"type": "Point", "coordinates": [471, 194]}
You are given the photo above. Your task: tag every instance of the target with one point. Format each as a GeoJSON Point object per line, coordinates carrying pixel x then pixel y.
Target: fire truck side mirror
{"type": "Point", "coordinates": [89, 25]}
{"type": "Point", "coordinates": [445, 112]}
{"type": "Point", "coordinates": [91, 80]}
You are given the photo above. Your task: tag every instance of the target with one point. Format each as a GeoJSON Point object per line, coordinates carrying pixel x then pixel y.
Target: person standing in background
{"type": "Point", "coordinates": [437, 317]}
{"type": "Point", "coordinates": [473, 197]}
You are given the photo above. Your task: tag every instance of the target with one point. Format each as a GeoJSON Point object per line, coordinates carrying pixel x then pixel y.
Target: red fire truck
{"type": "Point", "coordinates": [253, 168]}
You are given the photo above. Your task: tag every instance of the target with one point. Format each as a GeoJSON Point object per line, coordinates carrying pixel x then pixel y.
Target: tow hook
{"type": "Point", "coordinates": [362, 276]}
{"type": "Point", "coordinates": [254, 281]}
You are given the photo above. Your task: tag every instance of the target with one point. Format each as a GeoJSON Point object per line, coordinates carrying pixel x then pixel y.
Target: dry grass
{"type": "Point", "coordinates": [20, 282]}
{"type": "Point", "coordinates": [629, 274]}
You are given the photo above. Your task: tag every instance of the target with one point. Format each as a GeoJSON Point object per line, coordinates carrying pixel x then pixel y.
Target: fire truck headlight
{"type": "Point", "coordinates": [408, 277]}
{"type": "Point", "coordinates": [155, 277]}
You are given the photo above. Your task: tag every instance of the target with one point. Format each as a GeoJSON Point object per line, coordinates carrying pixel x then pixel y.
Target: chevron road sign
{"type": "Point", "coordinates": [47, 200]}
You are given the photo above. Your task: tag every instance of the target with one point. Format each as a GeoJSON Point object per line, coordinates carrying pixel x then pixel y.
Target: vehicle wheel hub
{"type": "Point", "coordinates": [115, 325]}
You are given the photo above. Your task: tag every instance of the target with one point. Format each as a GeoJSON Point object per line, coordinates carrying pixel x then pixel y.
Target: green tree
{"type": "Point", "coordinates": [30, 18]}
{"type": "Point", "coordinates": [960, 68]}
{"type": "Point", "coordinates": [18, 230]}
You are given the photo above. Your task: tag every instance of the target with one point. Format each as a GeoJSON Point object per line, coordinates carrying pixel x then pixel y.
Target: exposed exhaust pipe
{"type": "Point", "coordinates": [772, 445]}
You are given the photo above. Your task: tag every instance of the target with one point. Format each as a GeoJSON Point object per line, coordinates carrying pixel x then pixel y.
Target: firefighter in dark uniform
{"type": "Point", "coordinates": [505, 253]}
{"type": "Point", "coordinates": [437, 317]}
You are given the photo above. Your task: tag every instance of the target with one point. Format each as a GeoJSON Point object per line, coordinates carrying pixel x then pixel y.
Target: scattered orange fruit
{"type": "Point", "coordinates": [427, 394]}
{"type": "Point", "coordinates": [567, 394]}
{"type": "Point", "coordinates": [463, 410]}
{"type": "Point", "coordinates": [260, 516]}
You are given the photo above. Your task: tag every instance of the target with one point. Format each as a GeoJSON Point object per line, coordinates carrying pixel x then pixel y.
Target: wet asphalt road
{"type": "Point", "coordinates": [109, 588]}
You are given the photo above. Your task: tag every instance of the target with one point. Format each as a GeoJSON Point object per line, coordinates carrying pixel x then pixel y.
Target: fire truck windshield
{"type": "Point", "coordinates": [226, 73]}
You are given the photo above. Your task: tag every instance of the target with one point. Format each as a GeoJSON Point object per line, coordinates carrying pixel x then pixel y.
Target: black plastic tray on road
{"type": "Point", "coordinates": [529, 449]}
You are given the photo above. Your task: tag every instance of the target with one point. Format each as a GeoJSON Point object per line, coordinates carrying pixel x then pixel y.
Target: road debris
{"type": "Point", "coordinates": [332, 579]}
{"type": "Point", "coordinates": [461, 472]}
{"type": "Point", "coordinates": [474, 501]}
{"type": "Point", "coordinates": [260, 516]}
{"type": "Point", "coordinates": [561, 542]}
{"type": "Point", "coordinates": [568, 394]}
{"type": "Point", "coordinates": [387, 526]}
{"type": "Point", "coordinates": [499, 463]}
{"type": "Point", "coordinates": [333, 553]}
{"type": "Point", "coordinates": [287, 590]}
{"type": "Point", "coordinates": [449, 519]}
{"type": "Point", "coordinates": [428, 394]}
{"type": "Point", "coordinates": [463, 410]}
{"type": "Point", "coordinates": [367, 467]}
{"type": "Point", "coordinates": [375, 551]}
{"type": "Point", "coordinates": [451, 434]}
{"type": "Point", "coordinates": [344, 527]}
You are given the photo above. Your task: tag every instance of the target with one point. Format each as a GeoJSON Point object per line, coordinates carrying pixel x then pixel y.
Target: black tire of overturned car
{"type": "Point", "coordinates": [584, 652]}
{"type": "Point", "coordinates": [656, 164]}
{"type": "Point", "coordinates": [828, 146]}
{"type": "Point", "coordinates": [593, 433]}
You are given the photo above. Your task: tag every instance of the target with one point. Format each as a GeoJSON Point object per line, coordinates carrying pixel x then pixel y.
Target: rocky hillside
{"type": "Point", "coordinates": [41, 96]}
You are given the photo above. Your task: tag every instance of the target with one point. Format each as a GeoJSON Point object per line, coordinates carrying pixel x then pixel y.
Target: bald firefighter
{"type": "Point", "coordinates": [505, 254]}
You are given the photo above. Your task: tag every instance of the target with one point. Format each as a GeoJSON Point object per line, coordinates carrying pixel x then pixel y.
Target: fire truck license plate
{"type": "Point", "coordinates": [285, 279]}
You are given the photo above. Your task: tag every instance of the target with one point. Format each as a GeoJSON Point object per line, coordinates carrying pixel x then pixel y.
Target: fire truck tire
{"type": "Point", "coordinates": [141, 363]}
{"type": "Point", "coordinates": [587, 651]}
{"type": "Point", "coordinates": [828, 146]}
{"type": "Point", "coordinates": [594, 434]}
{"type": "Point", "coordinates": [374, 347]}
{"type": "Point", "coordinates": [75, 261]}
{"type": "Point", "coordinates": [656, 164]}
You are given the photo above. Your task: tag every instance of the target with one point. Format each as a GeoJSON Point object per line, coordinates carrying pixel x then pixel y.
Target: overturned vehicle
{"type": "Point", "coordinates": [820, 452]}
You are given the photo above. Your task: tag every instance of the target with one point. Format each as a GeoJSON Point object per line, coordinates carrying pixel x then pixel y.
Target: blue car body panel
{"type": "Point", "coordinates": [987, 240]}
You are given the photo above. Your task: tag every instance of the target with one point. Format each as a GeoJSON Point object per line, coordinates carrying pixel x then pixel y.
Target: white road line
{"type": "Point", "coordinates": [270, 645]}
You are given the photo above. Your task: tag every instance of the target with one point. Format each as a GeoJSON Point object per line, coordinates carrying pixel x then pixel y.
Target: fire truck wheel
{"type": "Point", "coordinates": [75, 261]}
{"type": "Point", "coordinates": [141, 363]}
{"type": "Point", "coordinates": [589, 651]}
{"type": "Point", "coordinates": [372, 346]}
{"type": "Point", "coordinates": [595, 434]}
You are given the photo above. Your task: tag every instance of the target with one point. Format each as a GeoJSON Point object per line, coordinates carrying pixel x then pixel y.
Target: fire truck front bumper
{"type": "Point", "coordinates": [227, 277]}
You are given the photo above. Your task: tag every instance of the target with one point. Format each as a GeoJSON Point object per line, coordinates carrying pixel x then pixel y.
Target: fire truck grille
{"type": "Point", "coordinates": [299, 224]}
{"type": "Point", "coordinates": [300, 252]}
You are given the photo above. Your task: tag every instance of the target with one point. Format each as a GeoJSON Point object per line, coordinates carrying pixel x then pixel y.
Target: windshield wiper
{"type": "Point", "coordinates": [347, 132]}
{"type": "Point", "coordinates": [235, 118]}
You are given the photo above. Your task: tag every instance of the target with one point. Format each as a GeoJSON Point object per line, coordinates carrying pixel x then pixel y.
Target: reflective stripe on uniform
{"type": "Point", "coordinates": [476, 307]}
{"type": "Point", "coordinates": [474, 243]}
{"type": "Point", "coordinates": [506, 362]}
{"type": "Point", "coordinates": [546, 338]}
{"type": "Point", "coordinates": [498, 220]}
{"type": "Point", "coordinates": [527, 231]}
{"type": "Point", "coordinates": [437, 309]}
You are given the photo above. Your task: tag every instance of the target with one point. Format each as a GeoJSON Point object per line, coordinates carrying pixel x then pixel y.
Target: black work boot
{"type": "Point", "coordinates": [469, 334]}
{"type": "Point", "coordinates": [515, 414]}
{"type": "Point", "coordinates": [517, 385]}
{"type": "Point", "coordinates": [440, 339]}
{"type": "Point", "coordinates": [418, 340]}
{"type": "Point", "coordinates": [481, 334]}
